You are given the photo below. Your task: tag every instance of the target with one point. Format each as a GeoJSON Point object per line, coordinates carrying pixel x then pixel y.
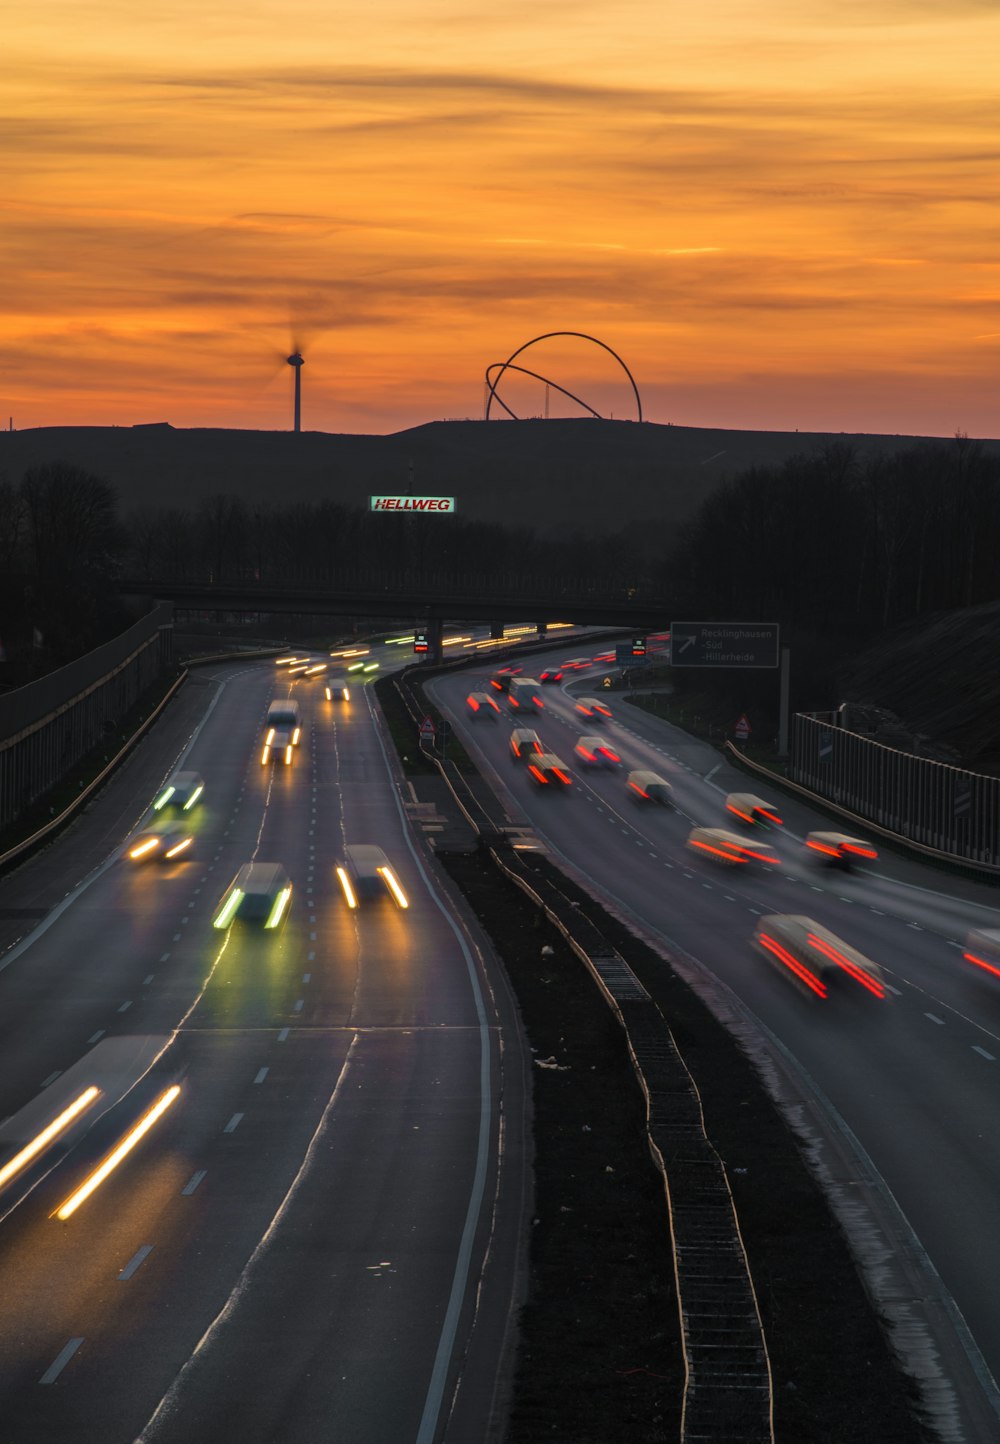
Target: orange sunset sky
{"type": "Point", "coordinates": [783, 213]}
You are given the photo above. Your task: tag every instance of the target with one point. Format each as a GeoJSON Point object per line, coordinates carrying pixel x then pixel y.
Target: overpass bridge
{"type": "Point", "coordinates": [424, 602]}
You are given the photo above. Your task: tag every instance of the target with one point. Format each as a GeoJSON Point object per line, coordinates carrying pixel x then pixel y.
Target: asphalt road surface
{"type": "Point", "coordinates": [909, 1085]}
{"type": "Point", "coordinates": [321, 1237]}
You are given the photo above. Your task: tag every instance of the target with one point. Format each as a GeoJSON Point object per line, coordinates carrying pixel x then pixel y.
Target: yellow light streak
{"type": "Point", "coordinates": [117, 1154]}
{"type": "Point", "coordinates": [352, 652]}
{"type": "Point", "coordinates": [453, 641]}
{"type": "Point", "coordinates": [394, 886]}
{"type": "Point", "coordinates": [229, 908]}
{"type": "Point", "coordinates": [185, 842]}
{"type": "Point", "coordinates": [33, 1149]}
{"type": "Point", "coordinates": [145, 847]}
{"type": "Point", "coordinates": [280, 903]}
{"type": "Point", "coordinates": [265, 754]}
{"type": "Point", "coordinates": [345, 883]}
{"type": "Point", "coordinates": [270, 736]}
{"type": "Point", "coordinates": [347, 695]}
{"type": "Point", "coordinates": [295, 736]}
{"type": "Point", "coordinates": [288, 755]}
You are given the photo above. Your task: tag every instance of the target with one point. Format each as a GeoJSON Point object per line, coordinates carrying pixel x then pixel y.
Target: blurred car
{"type": "Point", "coordinates": [593, 707]}
{"type": "Point", "coordinates": [549, 770]}
{"type": "Point", "coordinates": [159, 842]}
{"type": "Point", "coordinates": [284, 712]}
{"type": "Point", "coordinates": [259, 893]}
{"type": "Point", "coordinates": [729, 847]}
{"type": "Point", "coordinates": [649, 786]}
{"type": "Point", "coordinates": [180, 792]}
{"type": "Point", "coordinates": [551, 674]}
{"type": "Point", "coordinates": [366, 874]}
{"type": "Point", "coordinates": [595, 752]}
{"type": "Point", "coordinates": [812, 956]}
{"type": "Point", "coordinates": [502, 678]}
{"type": "Point", "coordinates": [279, 745]}
{"type": "Point", "coordinates": [524, 694]}
{"type": "Point", "coordinates": [525, 743]}
{"type": "Point", "coordinates": [337, 690]}
{"type": "Point", "coordinates": [837, 849]}
{"type": "Point", "coordinates": [481, 704]}
{"type": "Point", "coordinates": [982, 949]}
{"type": "Point", "coordinates": [752, 809]}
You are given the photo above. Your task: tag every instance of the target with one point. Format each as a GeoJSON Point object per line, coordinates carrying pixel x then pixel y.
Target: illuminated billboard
{"type": "Point", "coordinates": [440, 504]}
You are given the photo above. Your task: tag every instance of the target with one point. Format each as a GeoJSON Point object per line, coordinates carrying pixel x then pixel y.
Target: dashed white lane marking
{"type": "Point", "coordinates": [307, 977]}
{"type": "Point", "coordinates": [915, 926]}
{"type": "Point", "coordinates": [890, 989]}
{"type": "Point", "coordinates": [312, 957]}
{"type": "Point", "coordinates": [148, 979]}
{"type": "Point", "coordinates": [300, 1004]}
{"type": "Point", "coordinates": [283, 1035]}
{"type": "Point", "coordinates": [952, 944]}
{"type": "Point", "coordinates": [60, 1361]}
{"type": "Point", "coordinates": [177, 937]}
{"type": "Point", "coordinates": [935, 1019]}
{"type": "Point", "coordinates": [50, 1079]}
{"type": "Point", "coordinates": [96, 1037]}
{"type": "Point", "coordinates": [193, 1182]}
{"type": "Point", "coordinates": [184, 920]}
{"type": "Point", "coordinates": [847, 899]}
{"type": "Point", "coordinates": [312, 936]}
{"type": "Point", "coordinates": [877, 913]}
{"type": "Point", "coordinates": [983, 1053]}
{"type": "Point", "coordinates": [233, 1123]}
{"type": "Point", "coordinates": [261, 1075]}
{"type": "Point", "coordinates": [136, 1261]}
{"type": "Point", "coordinates": [728, 898]}
{"type": "Point", "coordinates": [165, 957]}
{"type": "Point", "coordinates": [758, 911]}
{"type": "Point", "coordinates": [125, 1006]}
{"type": "Point", "coordinates": [710, 775]}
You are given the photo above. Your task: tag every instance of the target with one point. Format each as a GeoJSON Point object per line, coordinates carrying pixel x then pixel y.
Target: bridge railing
{"type": "Point", "coordinates": [47, 726]}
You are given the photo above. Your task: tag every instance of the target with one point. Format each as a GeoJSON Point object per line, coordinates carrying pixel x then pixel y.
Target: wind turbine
{"type": "Point", "coordinates": [297, 362]}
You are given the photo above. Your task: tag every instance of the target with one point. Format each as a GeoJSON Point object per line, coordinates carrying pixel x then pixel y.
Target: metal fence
{"type": "Point", "coordinates": [931, 803]}
{"type": "Point", "coordinates": [49, 725]}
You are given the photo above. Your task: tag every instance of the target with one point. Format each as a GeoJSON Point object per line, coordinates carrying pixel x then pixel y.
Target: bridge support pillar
{"type": "Point", "coordinates": [496, 631]}
{"type": "Point", "coordinates": [543, 627]}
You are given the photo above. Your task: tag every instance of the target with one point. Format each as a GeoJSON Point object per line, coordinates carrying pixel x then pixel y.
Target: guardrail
{"type": "Point", "coordinates": [47, 726]}
{"type": "Point", "coordinates": [22, 848]}
{"type": "Point", "coordinates": [728, 1389]}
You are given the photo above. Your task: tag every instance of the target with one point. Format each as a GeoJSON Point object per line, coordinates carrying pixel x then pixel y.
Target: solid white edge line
{"type": "Point", "coordinates": [427, 1430]}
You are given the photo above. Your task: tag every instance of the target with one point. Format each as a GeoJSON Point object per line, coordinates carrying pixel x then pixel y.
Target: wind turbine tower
{"type": "Point", "coordinates": [296, 360]}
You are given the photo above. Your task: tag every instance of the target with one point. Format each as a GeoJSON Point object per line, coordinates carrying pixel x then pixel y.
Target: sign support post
{"type": "Point", "coordinates": [786, 663]}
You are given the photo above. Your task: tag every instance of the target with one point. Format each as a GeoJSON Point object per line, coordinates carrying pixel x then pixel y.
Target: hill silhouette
{"type": "Point", "coordinates": [567, 475]}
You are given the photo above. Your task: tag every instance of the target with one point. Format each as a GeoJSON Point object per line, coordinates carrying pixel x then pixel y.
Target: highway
{"type": "Point", "coordinates": [321, 1237]}
{"type": "Point", "coordinates": [907, 1084]}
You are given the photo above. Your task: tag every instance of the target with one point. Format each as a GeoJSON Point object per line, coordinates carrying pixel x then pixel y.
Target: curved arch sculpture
{"type": "Point", "coordinates": [501, 366]}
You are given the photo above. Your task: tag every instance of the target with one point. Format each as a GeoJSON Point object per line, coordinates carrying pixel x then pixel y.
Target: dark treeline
{"type": "Point", "coordinates": [324, 543]}
{"type": "Point", "coordinates": [843, 541]}
{"type": "Point", "coordinates": [838, 547]}
{"type": "Point", "coordinates": [61, 545]}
